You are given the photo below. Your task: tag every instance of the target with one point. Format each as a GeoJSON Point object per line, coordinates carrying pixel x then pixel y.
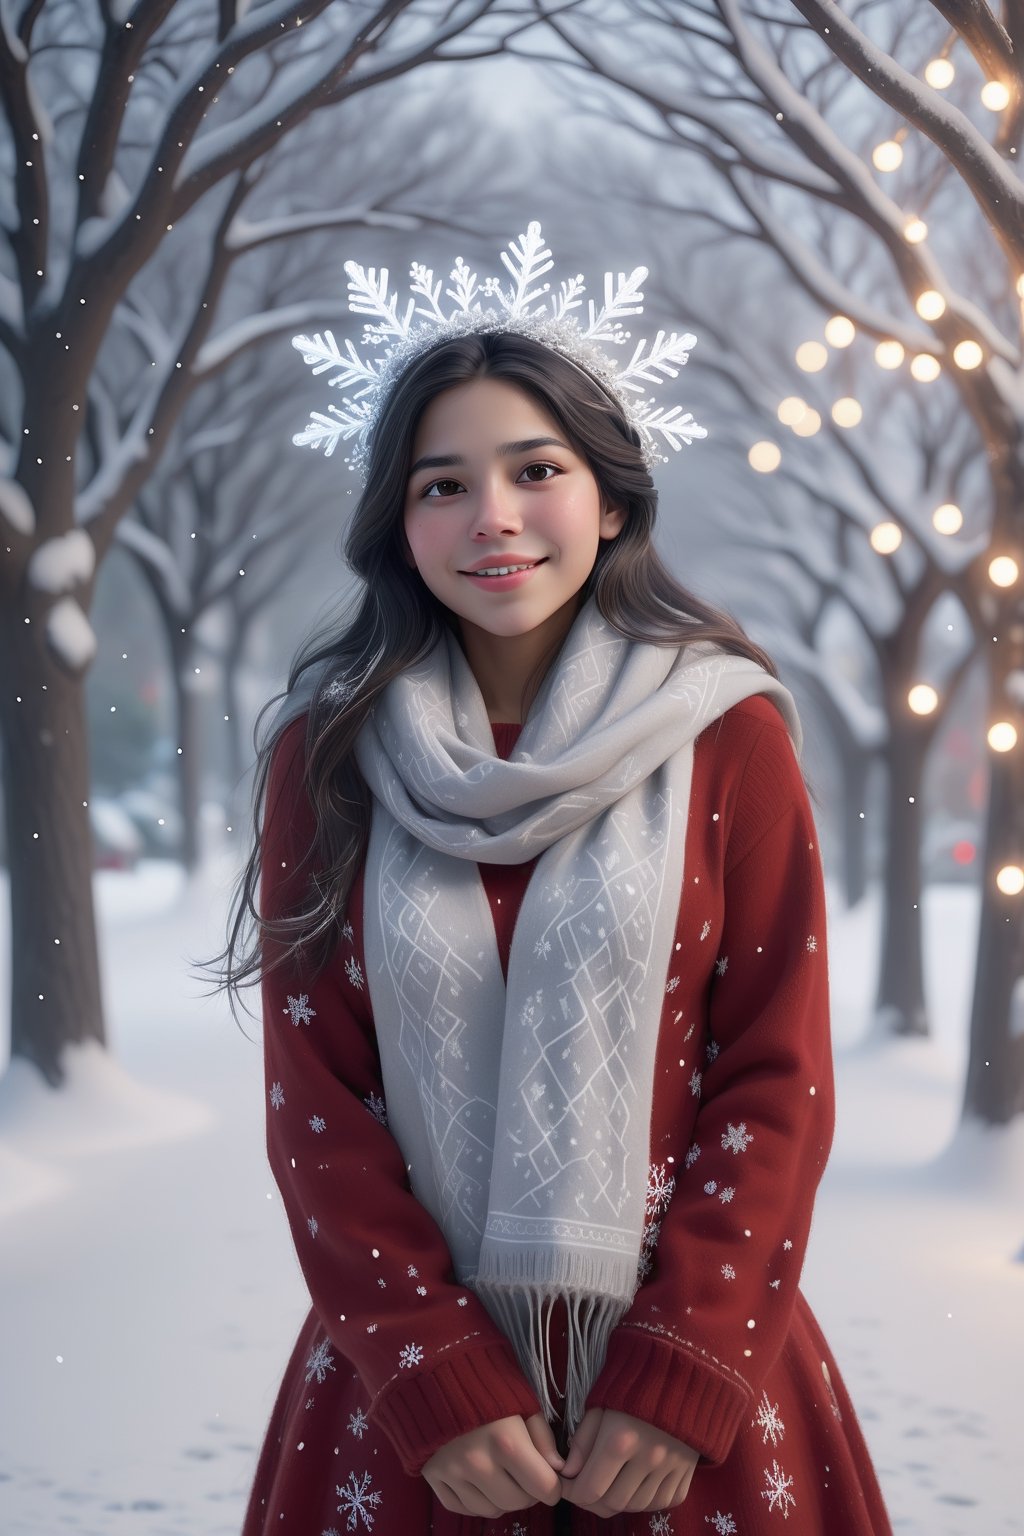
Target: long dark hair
{"type": "Point", "coordinates": [633, 590]}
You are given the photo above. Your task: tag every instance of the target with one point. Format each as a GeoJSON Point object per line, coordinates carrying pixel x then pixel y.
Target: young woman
{"type": "Point", "coordinates": [546, 1017]}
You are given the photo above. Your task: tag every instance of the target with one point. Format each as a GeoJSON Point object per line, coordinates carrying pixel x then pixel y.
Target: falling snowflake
{"type": "Point", "coordinates": [768, 1420]}
{"type": "Point", "coordinates": [726, 1193]}
{"type": "Point", "coordinates": [728, 1273]}
{"type": "Point", "coordinates": [673, 983]}
{"type": "Point", "coordinates": [313, 1225]}
{"type": "Point", "coordinates": [317, 1123]}
{"type": "Point", "coordinates": [357, 1501]}
{"type": "Point", "coordinates": [375, 1104]}
{"type": "Point", "coordinates": [660, 1188]}
{"type": "Point", "coordinates": [542, 948]}
{"type": "Point", "coordinates": [724, 1525]}
{"type": "Point", "coordinates": [692, 1155]}
{"type": "Point", "coordinates": [722, 964]}
{"type": "Point", "coordinates": [777, 1492]}
{"type": "Point", "coordinates": [354, 972]}
{"type": "Point", "coordinates": [705, 931]}
{"type": "Point", "coordinates": [411, 1355]}
{"type": "Point", "coordinates": [347, 931]}
{"type": "Point", "coordinates": [320, 1362]}
{"type": "Point", "coordinates": [661, 1523]}
{"type": "Point", "coordinates": [712, 1051]}
{"type": "Point", "coordinates": [277, 1095]}
{"type": "Point", "coordinates": [413, 1272]}
{"type": "Point", "coordinates": [736, 1138]}
{"type": "Point", "coordinates": [300, 1010]}
{"type": "Point", "coordinates": [710, 1186]}
{"type": "Point", "coordinates": [812, 943]}
{"type": "Point", "coordinates": [358, 1423]}
{"type": "Point", "coordinates": [695, 1081]}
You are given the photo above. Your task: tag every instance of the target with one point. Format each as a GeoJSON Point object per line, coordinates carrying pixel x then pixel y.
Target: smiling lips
{"type": "Point", "coordinates": [503, 570]}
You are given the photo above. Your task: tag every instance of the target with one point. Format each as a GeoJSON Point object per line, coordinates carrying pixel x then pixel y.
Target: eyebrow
{"type": "Point", "coordinates": [506, 450]}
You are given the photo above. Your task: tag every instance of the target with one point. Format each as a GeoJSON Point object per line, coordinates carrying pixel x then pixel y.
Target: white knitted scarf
{"type": "Point", "coordinates": [523, 1111]}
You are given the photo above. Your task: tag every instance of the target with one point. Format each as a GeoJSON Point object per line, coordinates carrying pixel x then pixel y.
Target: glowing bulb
{"type": "Point", "coordinates": [925, 368]}
{"type": "Point", "coordinates": [887, 156]}
{"type": "Point", "coordinates": [811, 356]}
{"type": "Point", "coordinates": [809, 423]}
{"type": "Point", "coordinates": [1002, 736]}
{"type": "Point", "coordinates": [1010, 879]}
{"type": "Point", "coordinates": [930, 304]}
{"type": "Point", "coordinates": [994, 95]}
{"type": "Point", "coordinates": [922, 699]}
{"type": "Point", "coordinates": [915, 230]}
{"type": "Point", "coordinates": [791, 409]}
{"type": "Point", "coordinates": [764, 457]}
{"type": "Point", "coordinates": [1003, 571]}
{"type": "Point", "coordinates": [1020, 286]}
{"type": "Point", "coordinates": [939, 74]}
{"type": "Point", "coordinates": [886, 537]}
{"type": "Point", "coordinates": [839, 331]}
{"type": "Point", "coordinates": [948, 518]}
{"type": "Point", "coordinates": [889, 354]}
{"type": "Point", "coordinates": [967, 354]}
{"type": "Point", "coordinates": [847, 412]}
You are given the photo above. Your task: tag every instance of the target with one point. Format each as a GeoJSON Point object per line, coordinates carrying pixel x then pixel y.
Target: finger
{"type": "Point", "coordinates": [603, 1466]}
{"type": "Point", "coordinates": [543, 1438]}
{"type": "Point", "coordinates": [474, 1501]}
{"type": "Point", "coordinates": [519, 1491]}
{"type": "Point", "coordinates": [583, 1442]}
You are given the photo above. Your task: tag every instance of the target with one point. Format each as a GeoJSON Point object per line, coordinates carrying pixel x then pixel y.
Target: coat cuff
{"type": "Point", "coordinates": [690, 1396]}
{"type": "Point", "coordinates": [421, 1413]}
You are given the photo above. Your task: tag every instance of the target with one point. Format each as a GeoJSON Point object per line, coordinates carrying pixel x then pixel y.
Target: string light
{"type": "Point", "coordinates": [967, 354]}
{"type": "Point", "coordinates": [1010, 879]}
{"type": "Point", "coordinates": [1020, 287]}
{"type": "Point", "coordinates": [940, 74]}
{"type": "Point", "coordinates": [1002, 736]}
{"type": "Point", "coordinates": [887, 156]}
{"type": "Point", "coordinates": [764, 457]}
{"type": "Point", "coordinates": [1003, 571]}
{"type": "Point", "coordinates": [915, 230]}
{"type": "Point", "coordinates": [948, 518]}
{"type": "Point", "coordinates": [889, 354]}
{"type": "Point", "coordinates": [995, 95]}
{"type": "Point", "coordinates": [847, 412]}
{"type": "Point", "coordinates": [886, 537]}
{"type": "Point", "coordinates": [811, 356]}
{"type": "Point", "coordinates": [922, 699]}
{"type": "Point", "coordinates": [809, 423]}
{"type": "Point", "coordinates": [925, 368]}
{"type": "Point", "coordinates": [791, 409]}
{"type": "Point", "coordinates": [930, 304]}
{"type": "Point", "coordinates": [840, 331]}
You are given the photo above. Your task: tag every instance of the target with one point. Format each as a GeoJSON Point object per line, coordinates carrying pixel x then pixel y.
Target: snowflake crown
{"type": "Point", "coordinates": [526, 307]}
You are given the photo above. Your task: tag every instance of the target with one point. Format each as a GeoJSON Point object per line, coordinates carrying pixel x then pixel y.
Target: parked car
{"type": "Point", "coordinates": [950, 849]}
{"type": "Point", "coordinates": [117, 843]}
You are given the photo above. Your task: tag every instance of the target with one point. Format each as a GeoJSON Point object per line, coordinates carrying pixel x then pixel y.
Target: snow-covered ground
{"type": "Point", "coordinates": [150, 1295]}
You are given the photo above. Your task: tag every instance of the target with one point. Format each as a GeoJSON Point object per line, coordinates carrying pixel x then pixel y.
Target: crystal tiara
{"type": "Point", "coordinates": [526, 307]}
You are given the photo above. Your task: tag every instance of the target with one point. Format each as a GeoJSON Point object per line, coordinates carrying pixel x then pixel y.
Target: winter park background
{"type": "Point", "coordinates": [831, 202]}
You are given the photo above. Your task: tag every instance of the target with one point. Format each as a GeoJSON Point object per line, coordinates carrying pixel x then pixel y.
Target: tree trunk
{"type": "Point", "coordinates": [900, 1003]}
{"type": "Point", "coordinates": [55, 981]}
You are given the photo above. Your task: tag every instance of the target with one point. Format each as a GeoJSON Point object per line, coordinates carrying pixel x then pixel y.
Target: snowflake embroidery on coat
{"type": "Point", "coordinates": [692, 1156]}
{"type": "Point", "coordinates": [421, 1290]}
{"type": "Point", "coordinates": [712, 1051]}
{"type": "Point", "coordinates": [542, 948]}
{"type": "Point", "coordinates": [777, 1492]}
{"type": "Point", "coordinates": [774, 1284]}
{"type": "Point", "coordinates": [463, 1301]}
{"type": "Point", "coordinates": [413, 1272]}
{"type": "Point", "coordinates": [812, 943]}
{"type": "Point", "coordinates": [411, 1355]}
{"type": "Point", "coordinates": [673, 983]}
{"type": "Point", "coordinates": [728, 1273]}
{"type": "Point", "coordinates": [313, 1225]}
{"type": "Point", "coordinates": [300, 1010]}
{"type": "Point", "coordinates": [771, 1426]}
{"type": "Point", "coordinates": [358, 1501]}
{"type": "Point", "coordinates": [724, 1525]}
{"type": "Point", "coordinates": [358, 1423]}
{"type": "Point", "coordinates": [725, 1194]}
{"type": "Point", "coordinates": [661, 1524]}
{"type": "Point", "coordinates": [705, 930]}
{"type": "Point", "coordinates": [647, 1247]}
{"type": "Point", "coordinates": [736, 1138]}
{"type": "Point", "coordinates": [347, 931]}
{"type": "Point", "coordinates": [375, 1104]}
{"type": "Point", "coordinates": [722, 965]}
{"type": "Point", "coordinates": [320, 1362]}
{"type": "Point", "coordinates": [787, 1244]}
{"type": "Point", "coordinates": [710, 1186]}
{"type": "Point", "coordinates": [317, 1123]}
{"type": "Point", "coordinates": [276, 1095]}
{"type": "Point", "coordinates": [354, 972]}
{"type": "Point", "coordinates": [695, 1082]}
{"type": "Point", "coordinates": [660, 1188]}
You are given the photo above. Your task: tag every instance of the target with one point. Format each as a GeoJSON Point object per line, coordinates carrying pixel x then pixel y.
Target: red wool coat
{"type": "Point", "coordinates": [719, 1347]}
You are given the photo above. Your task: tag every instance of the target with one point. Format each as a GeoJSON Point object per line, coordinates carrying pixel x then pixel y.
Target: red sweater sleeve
{"type": "Point", "coordinates": [377, 1265]}
{"type": "Point", "coordinates": [705, 1327]}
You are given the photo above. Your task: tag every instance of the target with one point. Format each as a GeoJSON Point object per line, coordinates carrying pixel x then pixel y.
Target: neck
{"type": "Point", "coordinates": [509, 669]}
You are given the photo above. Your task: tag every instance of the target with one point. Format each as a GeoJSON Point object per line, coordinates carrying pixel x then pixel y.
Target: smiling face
{"type": "Point", "coordinates": [495, 483]}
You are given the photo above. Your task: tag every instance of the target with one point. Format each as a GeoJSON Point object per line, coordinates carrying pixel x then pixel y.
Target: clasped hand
{"type": "Point", "coordinates": [616, 1465]}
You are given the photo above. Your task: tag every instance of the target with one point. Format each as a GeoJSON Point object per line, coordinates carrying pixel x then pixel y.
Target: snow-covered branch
{"type": "Point", "coordinates": [28, 134]}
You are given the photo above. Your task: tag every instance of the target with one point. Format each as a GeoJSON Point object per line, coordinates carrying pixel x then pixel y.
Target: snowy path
{"type": "Point", "coordinates": [150, 1295]}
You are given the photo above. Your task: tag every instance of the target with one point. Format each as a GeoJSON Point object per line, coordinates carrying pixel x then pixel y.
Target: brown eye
{"type": "Point", "coordinates": [552, 467]}
{"type": "Point", "coordinates": [434, 483]}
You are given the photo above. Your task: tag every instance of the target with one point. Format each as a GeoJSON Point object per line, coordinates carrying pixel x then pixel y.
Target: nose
{"type": "Point", "coordinates": [495, 511]}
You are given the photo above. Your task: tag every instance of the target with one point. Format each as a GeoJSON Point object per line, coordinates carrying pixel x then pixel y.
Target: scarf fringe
{"type": "Point", "coordinates": [519, 1312]}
